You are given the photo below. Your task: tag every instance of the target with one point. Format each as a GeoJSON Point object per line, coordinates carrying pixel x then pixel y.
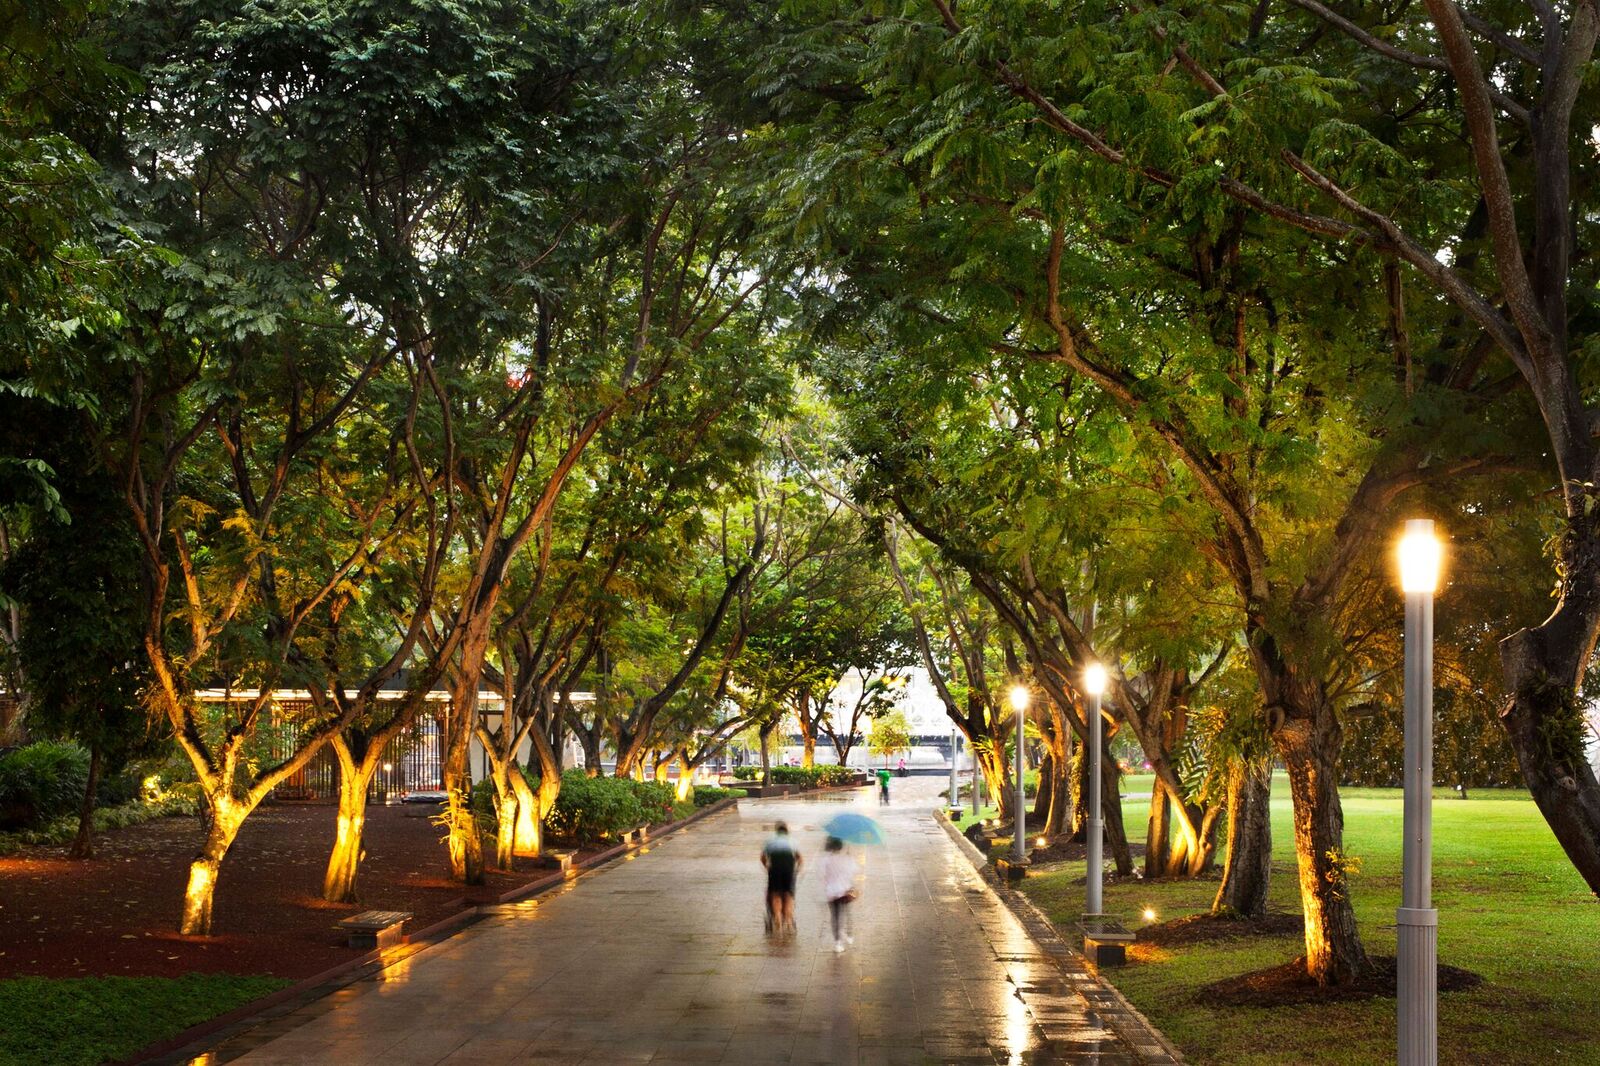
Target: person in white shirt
{"type": "Point", "coordinates": [839, 886]}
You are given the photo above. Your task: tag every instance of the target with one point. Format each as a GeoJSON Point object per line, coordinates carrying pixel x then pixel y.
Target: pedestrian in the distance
{"type": "Point", "coordinates": [839, 885]}
{"type": "Point", "coordinates": [883, 787]}
{"type": "Point", "coordinates": [783, 866]}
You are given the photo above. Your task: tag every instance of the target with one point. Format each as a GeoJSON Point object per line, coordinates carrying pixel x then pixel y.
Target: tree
{"type": "Point", "coordinates": [891, 732]}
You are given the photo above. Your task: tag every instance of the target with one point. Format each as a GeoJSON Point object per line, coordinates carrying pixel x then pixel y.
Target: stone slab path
{"type": "Point", "coordinates": [662, 958]}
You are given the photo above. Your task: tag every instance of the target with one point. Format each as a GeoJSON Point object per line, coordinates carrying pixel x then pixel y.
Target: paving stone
{"type": "Point", "coordinates": [664, 959]}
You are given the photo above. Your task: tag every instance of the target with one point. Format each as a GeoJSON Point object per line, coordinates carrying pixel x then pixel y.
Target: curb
{"type": "Point", "coordinates": [309, 989]}
{"type": "Point", "coordinates": [1148, 1043]}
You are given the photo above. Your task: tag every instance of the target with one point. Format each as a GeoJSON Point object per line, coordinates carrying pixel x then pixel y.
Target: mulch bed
{"type": "Point", "coordinates": [1289, 984]}
{"type": "Point", "coordinates": [116, 914]}
{"type": "Point", "coordinates": [1200, 928]}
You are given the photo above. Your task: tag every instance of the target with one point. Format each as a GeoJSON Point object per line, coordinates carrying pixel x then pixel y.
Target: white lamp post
{"type": "Point", "coordinates": [977, 781]}
{"type": "Point", "coordinates": [1094, 683]}
{"type": "Point", "coordinates": [955, 795]}
{"type": "Point", "coordinates": [1417, 920]}
{"type": "Point", "coordinates": [1019, 842]}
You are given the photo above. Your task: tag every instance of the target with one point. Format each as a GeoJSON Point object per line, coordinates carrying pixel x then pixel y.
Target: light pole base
{"type": "Point", "coordinates": [1417, 978]}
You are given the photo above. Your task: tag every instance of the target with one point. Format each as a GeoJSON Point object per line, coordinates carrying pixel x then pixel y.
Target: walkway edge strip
{"type": "Point", "coordinates": [329, 980]}
{"type": "Point", "coordinates": [1130, 1025]}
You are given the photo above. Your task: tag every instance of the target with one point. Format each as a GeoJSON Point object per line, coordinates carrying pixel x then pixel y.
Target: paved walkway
{"type": "Point", "coordinates": [662, 958]}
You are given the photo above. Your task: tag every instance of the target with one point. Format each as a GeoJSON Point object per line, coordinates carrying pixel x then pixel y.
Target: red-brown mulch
{"type": "Point", "coordinates": [1199, 928]}
{"type": "Point", "coordinates": [1282, 986]}
{"type": "Point", "coordinates": [116, 914]}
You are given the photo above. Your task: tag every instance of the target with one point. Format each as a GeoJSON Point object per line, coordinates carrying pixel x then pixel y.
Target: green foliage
{"type": "Point", "coordinates": [41, 782]}
{"type": "Point", "coordinates": [84, 1021]}
{"type": "Point", "coordinates": [706, 795]}
{"type": "Point", "coordinates": [657, 801]}
{"type": "Point", "coordinates": [835, 775]}
{"type": "Point", "coordinates": [63, 830]}
{"type": "Point", "coordinates": [891, 733]}
{"type": "Point", "coordinates": [746, 773]}
{"type": "Point", "coordinates": [590, 810]}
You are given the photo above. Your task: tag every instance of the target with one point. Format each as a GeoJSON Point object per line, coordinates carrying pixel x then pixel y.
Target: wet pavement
{"type": "Point", "coordinates": [662, 958]}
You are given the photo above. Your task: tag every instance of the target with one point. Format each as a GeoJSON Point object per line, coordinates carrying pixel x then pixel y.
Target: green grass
{"type": "Point", "coordinates": [88, 1020]}
{"type": "Point", "coordinates": [1511, 909]}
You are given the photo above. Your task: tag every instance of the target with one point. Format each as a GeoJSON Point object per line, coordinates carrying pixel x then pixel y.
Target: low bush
{"type": "Point", "coordinates": [63, 830]}
{"type": "Point", "coordinates": [591, 809]}
{"type": "Point", "coordinates": [746, 773]}
{"type": "Point", "coordinates": [836, 775]}
{"type": "Point", "coordinates": [706, 795]}
{"type": "Point", "coordinates": [657, 802]}
{"type": "Point", "coordinates": [41, 782]}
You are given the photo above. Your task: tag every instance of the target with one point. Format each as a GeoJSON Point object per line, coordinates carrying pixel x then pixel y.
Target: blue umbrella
{"type": "Point", "coordinates": [854, 829]}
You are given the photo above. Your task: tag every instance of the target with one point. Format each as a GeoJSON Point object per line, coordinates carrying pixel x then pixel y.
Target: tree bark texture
{"type": "Point", "coordinates": [1247, 875]}
{"type": "Point", "coordinates": [226, 817]}
{"type": "Point", "coordinates": [83, 843]}
{"type": "Point", "coordinates": [1544, 719]}
{"type": "Point", "coordinates": [344, 862]}
{"type": "Point", "coordinates": [1309, 745]}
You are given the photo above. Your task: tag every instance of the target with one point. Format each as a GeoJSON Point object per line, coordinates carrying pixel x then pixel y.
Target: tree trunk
{"type": "Point", "coordinates": [1544, 719]}
{"type": "Point", "coordinates": [1308, 743]}
{"type": "Point", "coordinates": [505, 837]}
{"type": "Point", "coordinates": [226, 817]}
{"type": "Point", "coordinates": [344, 863]}
{"type": "Point", "coordinates": [1247, 875]}
{"type": "Point", "coordinates": [1042, 795]}
{"type": "Point", "coordinates": [662, 769]}
{"type": "Point", "coordinates": [527, 836]}
{"type": "Point", "coordinates": [590, 741]}
{"type": "Point", "coordinates": [1111, 811]}
{"type": "Point", "coordinates": [464, 843]}
{"type": "Point", "coordinates": [1157, 840]}
{"type": "Point", "coordinates": [83, 843]}
{"type": "Point", "coordinates": [1079, 781]}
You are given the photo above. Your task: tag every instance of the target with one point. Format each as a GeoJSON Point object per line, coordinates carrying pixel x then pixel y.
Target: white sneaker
{"type": "Point", "coordinates": [838, 947]}
{"type": "Point", "coordinates": [848, 939]}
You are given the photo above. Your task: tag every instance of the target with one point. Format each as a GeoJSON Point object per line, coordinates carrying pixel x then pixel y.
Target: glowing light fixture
{"type": "Point", "coordinates": [1417, 920]}
{"type": "Point", "coordinates": [1019, 698]}
{"type": "Point", "coordinates": [1420, 554]}
{"type": "Point", "coordinates": [1094, 679]}
{"type": "Point", "coordinates": [1149, 914]}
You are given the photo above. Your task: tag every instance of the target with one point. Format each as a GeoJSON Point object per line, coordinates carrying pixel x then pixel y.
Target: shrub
{"type": "Point", "coordinates": [656, 799]}
{"type": "Point", "coordinates": [40, 782]}
{"type": "Point", "coordinates": [804, 776]}
{"type": "Point", "coordinates": [590, 809]}
{"type": "Point", "coordinates": [706, 795]}
{"type": "Point", "coordinates": [836, 775]}
{"type": "Point", "coordinates": [746, 773]}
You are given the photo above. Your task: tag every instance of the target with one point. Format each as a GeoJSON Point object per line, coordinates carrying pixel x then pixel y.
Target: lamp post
{"type": "Point", "coordinates": [1019, 841]}
{"type": "Point", "coordinates": [955, 795]}
{"type": "Point", "coordinates": [977, 781]}
{"type": "Point", "coordinates": [1417, 921]}
{"type": "Point", "coordinates": [1094, 683]}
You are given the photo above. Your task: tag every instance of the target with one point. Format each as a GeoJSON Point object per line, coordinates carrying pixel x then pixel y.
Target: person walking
{"type": "Point", "coordinates": [839, 886]}
{"type": "Point", "coordinates": [883, 787]}
{"type": "Point", "coordinates": [782, 862]}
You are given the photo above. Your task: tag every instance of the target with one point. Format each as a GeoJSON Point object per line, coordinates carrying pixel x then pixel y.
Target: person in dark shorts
{"type": "Point", "coordinates": [783, 866]}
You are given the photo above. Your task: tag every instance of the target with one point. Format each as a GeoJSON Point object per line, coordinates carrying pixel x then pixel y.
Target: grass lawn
{"type": "Point", "coordinates": [1511, 909]}
{"type": "Point", "coordinates": [89, 1020]}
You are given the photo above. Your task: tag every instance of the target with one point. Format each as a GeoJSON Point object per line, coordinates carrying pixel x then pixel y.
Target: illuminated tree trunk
{"type": "Point", "coordinates": [505, 837]}
{"type": "Point", "coordinates": [685, 777]}
{"type": "Point", "coordinates": [226, 817]}
{"type": "Point", "coordinates": [1308, 747]}
{"type": "Point", "coordinates": [1247, 875]}
{"type": "Point", "coordinates": [662, 769]}
{"type": "Point", "coordinates": [344, 863]}
{"type": "Point", "coordinates": [527, 837]}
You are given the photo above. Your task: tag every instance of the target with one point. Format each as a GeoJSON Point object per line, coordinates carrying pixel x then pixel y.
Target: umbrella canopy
{"type": "Point", "coordinates": [854, 829]}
